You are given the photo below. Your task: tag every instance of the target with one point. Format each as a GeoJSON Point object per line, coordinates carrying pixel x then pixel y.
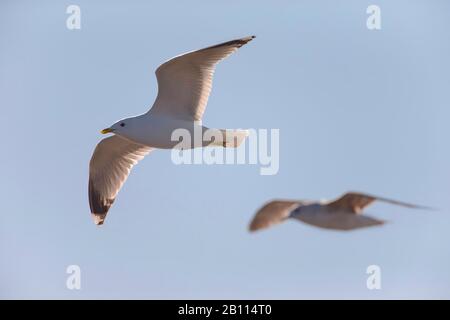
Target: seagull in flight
{"type": "Point", "coordinates": [344, 213]}
{"type": "Point", "coordinates": [184, 85]}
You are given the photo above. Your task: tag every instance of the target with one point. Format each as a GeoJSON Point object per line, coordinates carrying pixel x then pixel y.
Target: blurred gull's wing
{"type": "Point", "coordinates": [356, 202]}
{"type": "Point", "coordinates": [272, 213]}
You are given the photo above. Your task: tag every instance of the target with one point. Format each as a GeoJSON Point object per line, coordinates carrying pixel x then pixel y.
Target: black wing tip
{"type": "Point", "coordinates": [237, 43]}
{"type": "Point", "coordinates": [242, 41]}
{"type": "Point", "coordinates": [98, 204]}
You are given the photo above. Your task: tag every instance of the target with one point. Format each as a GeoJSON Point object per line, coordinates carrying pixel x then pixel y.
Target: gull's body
{"type": "Point", "coordinates": [344, 213]}
{"type": "Point", "coordinates": [322, 216]}
{"type": "Point", "coordinates": [155, 131]}
{"type": "Point", "coordinates": [184, 85]}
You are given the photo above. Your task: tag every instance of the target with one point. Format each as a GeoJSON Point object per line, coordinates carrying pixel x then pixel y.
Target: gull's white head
{"type": "Point", "coordinates": [121, 127]}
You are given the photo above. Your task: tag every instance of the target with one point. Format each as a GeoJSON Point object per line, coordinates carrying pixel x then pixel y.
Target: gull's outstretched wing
{"type": "Point", "coordinates": [356, 202]}
{"type": "Point", "coordinates": [272, 213]}
{"type": "Point", "coordinates": [110, 166]}
{"type": "Point", "coordinates": [184, 82]}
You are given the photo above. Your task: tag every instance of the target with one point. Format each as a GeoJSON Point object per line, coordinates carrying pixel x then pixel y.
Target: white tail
{"type": "Point", "coordinates": [231, 138]}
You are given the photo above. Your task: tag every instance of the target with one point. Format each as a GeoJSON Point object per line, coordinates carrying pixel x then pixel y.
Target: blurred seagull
{"type": "Point", "coordinates": [184, 85]}
{"type": "Point", "coordinates": [344, 213]}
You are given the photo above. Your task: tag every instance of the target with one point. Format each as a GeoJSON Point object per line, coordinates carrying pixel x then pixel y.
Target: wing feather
{"type": "Point", "coordinates": [110, 165]}
{"type": "Point", "coordinates": [273, 213]}
{"type": "Point", "coordinates": [185, 81]}
{"type": "Point", "coordinates": [355, 202]}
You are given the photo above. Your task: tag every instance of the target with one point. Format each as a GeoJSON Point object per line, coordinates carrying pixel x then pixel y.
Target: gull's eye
{"type": "Point", "coordinates": [122, 124]}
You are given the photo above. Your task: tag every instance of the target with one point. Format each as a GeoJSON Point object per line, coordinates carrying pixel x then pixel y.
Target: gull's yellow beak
{"type": "Point", "coordinates": [107, 130]}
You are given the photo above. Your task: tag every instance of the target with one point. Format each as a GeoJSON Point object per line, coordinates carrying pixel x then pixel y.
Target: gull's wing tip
{"type": "Point", "coordinates": [256, 225]}
{"type": "Point", "coordinates": [252, 228]}
{"type": "Point", "coordinates": [359, 194]}
{"type": "Point", "coordinates": [238, 42]}
{"type": "Point", "coordinates": [99, 218]}
{"type": "Point", "coordinates": [426, 208]}
{"type": "Point", "coordinates": [407, 204]}
{"type": "Point", "coordinates": [249, 38]}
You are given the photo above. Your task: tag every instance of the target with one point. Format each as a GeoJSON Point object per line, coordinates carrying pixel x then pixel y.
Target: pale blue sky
{"type": "Point", "coordinates": [357, 109]}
